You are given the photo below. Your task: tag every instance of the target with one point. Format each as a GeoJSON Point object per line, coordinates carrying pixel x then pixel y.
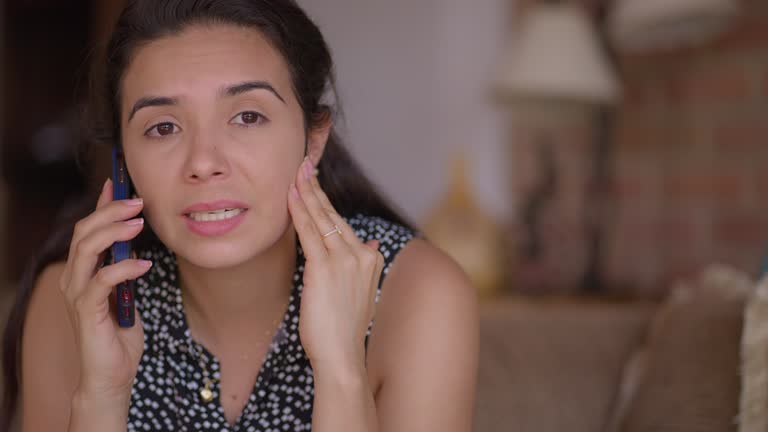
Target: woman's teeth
{"type": "Point", "coordinates": [215, 215]}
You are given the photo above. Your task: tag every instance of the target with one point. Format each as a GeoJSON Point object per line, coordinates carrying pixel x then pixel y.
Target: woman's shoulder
{"type": "Point", "coordinates": [424, 271]}
{"type": "Point", "coordinates": [420, 265]}
{"type": "Point", "coordinates": [428, 307]}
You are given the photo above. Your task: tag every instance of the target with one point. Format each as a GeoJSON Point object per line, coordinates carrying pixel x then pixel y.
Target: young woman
{"type": "Point", "coordinates": [261, 254]}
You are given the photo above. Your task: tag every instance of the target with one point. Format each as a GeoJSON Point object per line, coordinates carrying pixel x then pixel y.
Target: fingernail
{"type": "Point", "coordinates": [294, 191]}
{"type": "Point", "coordinates": [104, 186]}
{"type": "Point", "coordinates": [134, 202]}
{"type": "Point", "coordinates": [134, 222]}
{"type": "Point", "coordinates": [145, 263]}
{"type": "Point", "coordinates": [307, 169]}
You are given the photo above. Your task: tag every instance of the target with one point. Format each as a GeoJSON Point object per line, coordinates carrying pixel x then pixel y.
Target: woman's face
{"type": "Point", "coordinates": [209, 118]}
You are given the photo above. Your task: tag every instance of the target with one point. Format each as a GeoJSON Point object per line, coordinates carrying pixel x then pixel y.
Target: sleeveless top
{"type": "Point", "coordinates": [166, 390]}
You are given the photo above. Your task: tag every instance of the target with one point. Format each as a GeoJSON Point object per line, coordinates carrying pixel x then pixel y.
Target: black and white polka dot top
{"type": "Point", "coordinates": [166, 392]}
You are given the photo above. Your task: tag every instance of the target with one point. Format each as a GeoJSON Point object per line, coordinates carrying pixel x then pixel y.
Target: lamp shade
{"type": "Point", "coordinates": [556, 55]}
{"type": "Point", "coordinates": [643, 25]}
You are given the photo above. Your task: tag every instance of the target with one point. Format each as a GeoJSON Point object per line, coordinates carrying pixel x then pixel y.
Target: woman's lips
{"type": "Point", "coordinates": [214, 227]}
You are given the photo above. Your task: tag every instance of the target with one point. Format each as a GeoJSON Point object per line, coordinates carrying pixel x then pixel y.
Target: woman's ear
{"type": "Point", "coordinates": [317, 137]}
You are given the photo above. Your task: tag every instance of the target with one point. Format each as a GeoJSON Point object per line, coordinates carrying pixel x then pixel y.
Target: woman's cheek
{"type": "Point", "coordinates": [150, 208]}
{"type": "Point", "coordinates": [276, 194]}
{"type": "Point", "coordinates": [149, 216]}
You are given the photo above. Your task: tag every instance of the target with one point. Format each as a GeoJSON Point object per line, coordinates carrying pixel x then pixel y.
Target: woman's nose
{"type": "Point", "coordinates": [205, 160]}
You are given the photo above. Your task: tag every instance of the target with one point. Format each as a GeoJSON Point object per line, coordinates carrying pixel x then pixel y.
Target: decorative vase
{"type": "Point", "coordinates": [460, 227]}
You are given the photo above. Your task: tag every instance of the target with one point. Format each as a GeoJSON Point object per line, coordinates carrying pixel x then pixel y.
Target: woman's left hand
{"type": "Point", "coordinates": [341, 274]}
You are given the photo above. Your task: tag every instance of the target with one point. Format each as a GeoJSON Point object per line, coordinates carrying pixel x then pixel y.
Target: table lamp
{"type": "Point", "coordinates": [557, 68]}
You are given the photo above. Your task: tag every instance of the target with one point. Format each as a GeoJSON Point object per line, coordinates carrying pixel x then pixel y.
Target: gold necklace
{"type": "Point", "coordinates": [207, 392]}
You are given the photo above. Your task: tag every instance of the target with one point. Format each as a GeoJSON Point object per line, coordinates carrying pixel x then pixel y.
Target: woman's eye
{"type": "Point", "coordinates": [161, 129]}
{"type": "Point", "coordinates": [249, 118]}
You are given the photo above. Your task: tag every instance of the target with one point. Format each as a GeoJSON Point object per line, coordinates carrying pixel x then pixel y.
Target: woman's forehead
{"type": "Point", "coordinates": [200, 60]}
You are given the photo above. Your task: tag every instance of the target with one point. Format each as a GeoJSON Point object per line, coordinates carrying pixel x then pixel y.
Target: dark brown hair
{"type": "Point", "coordinates": [292, 33]}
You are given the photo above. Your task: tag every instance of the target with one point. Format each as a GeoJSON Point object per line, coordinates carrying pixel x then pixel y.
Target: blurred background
{"type": "Point", "coordinates": [586, 162]}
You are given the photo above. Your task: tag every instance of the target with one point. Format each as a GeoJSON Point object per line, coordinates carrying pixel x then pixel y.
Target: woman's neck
{"type": "Point", "coordinates": [227, 306]}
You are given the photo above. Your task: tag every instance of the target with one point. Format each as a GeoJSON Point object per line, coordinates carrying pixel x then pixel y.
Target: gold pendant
{"type": "Point", "coordinates": [206, 393]}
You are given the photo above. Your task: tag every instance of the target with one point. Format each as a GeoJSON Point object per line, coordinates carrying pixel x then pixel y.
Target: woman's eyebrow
{"type": "Point", "coordinates": [151, 101]}
{"type": "Point", "coordinates": [247, 86]}
{"type": "Point", "coordinates": [230, 91]}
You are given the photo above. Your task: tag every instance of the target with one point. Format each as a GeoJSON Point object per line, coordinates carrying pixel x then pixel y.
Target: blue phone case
{"type": "Point", "coordinates": [121, 250]}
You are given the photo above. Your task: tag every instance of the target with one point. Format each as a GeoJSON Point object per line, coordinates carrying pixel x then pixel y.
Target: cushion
{"type": "Point", "coordinates": [753, 409]}
{"type": "Point", "coordinates": [686, 376]}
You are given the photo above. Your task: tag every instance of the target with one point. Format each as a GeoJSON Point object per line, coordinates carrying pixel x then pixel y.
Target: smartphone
{"type": "Point", "coordinates": [121, 250]}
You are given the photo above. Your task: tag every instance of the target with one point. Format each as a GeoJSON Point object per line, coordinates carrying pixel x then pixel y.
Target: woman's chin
{"type": "Point", "coordinates": [213, 256]}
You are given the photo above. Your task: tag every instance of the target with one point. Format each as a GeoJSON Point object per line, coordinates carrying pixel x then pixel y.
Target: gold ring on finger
{"type": "Point", "coordinates": [335, 230]}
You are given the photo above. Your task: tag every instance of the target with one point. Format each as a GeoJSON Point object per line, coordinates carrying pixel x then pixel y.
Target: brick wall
{"type": "Point", "coordinates": [690, 167]}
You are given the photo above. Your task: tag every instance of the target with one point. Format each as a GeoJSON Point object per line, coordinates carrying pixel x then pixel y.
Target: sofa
{"type": "Point", "coordinates": [599, 365]}
{"type": "Point", "coordinates": [553, 364]}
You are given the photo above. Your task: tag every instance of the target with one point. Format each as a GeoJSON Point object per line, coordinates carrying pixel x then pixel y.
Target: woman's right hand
{"type": "Point", "coordinates": [109, 354]}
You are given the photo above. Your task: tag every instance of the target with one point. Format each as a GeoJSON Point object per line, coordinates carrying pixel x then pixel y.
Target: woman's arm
{"type": "Point", "coordinates": [343, 399]}
{"type": "Point", "coordinates": [50, 370]}
{"type": "Point", "coordinates": [49, 366]}
{"type": "Point", "coordinates": [424, 346]}
{"type": "Point", "coordinates": [426, 342]}
{"type": "Point", "coordinates": [99, 413]}
{"type": "Point", "coordinates": [51, 400]}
